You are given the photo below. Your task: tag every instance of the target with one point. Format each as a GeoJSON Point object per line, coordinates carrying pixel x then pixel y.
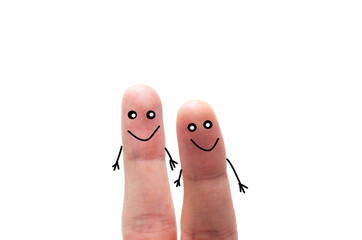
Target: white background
{"type": "Point", "coordinates": [284, 78]}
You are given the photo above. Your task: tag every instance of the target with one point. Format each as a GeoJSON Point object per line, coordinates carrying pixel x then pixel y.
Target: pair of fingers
{"type": "Point", "coordinates": [148, 211]}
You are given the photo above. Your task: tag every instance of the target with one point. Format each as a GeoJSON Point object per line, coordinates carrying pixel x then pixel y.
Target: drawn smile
{"type": "Point", "coordinates": [207, 150]}
{"type": "Point", "coordinates": [141, 139]}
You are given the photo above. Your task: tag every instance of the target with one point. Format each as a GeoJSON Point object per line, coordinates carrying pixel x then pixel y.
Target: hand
{"type": "Point", "coordinates": [148, 212]}
{"type": "Point", "coordinates": [116, 165]}
{"type": "Point", "coordinates": [173, 164]}
{"type": "Point", "coordinates": [177, 182]}
{"type": "Point", "coordinates": [241, 187]}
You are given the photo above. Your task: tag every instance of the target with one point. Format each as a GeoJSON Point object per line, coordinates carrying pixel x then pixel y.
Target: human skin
{"type": "Point", "coordinates": [207, 211]}
{"type": "Point", "coordinates": [148, 211]}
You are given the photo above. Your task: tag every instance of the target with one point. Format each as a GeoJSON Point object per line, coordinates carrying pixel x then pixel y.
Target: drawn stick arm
{"type": "Point", "coordinates": [116, 165]}
{"type": "Point", "coordinates": [171, 161]}
{"type": "Point", "coordinates": [178, 181]}
{"type": "Point", "coordinates": [241, 186]}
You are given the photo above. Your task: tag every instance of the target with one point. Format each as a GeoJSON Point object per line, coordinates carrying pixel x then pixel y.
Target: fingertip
{"type": "Point", "coordinates": [140, 94]}
{"type": "Point", "coordinates": [192, 109]}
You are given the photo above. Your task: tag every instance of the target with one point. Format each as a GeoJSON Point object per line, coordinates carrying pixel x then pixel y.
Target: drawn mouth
{"type": "Point", "coordinates": [142, 139]}
{"type": "Point", "coordinates": [204, 149]}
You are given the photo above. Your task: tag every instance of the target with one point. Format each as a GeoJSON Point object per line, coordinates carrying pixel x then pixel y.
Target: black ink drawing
{"type": "Point", "coordinates": [171, 161]}
{"type": "Point", "coordinates": [208, 124]}
{"type": "Point", "coordinates": [150, 115]}
{"type": "Point", "coordinates": [177, 182]}
{"type": "Point", "coordinates": [241, 186]}
{"type": "Point", "coordinates": [116, 165]}
{"type": "Point", "coordinates": [141, 139]}
{"type": "Point", "coordinates": [203, 149]}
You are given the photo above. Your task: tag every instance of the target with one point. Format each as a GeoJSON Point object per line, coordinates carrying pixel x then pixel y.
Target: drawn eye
{"type": "Point", "coordinates": [151, 114]}
{"type": "Point", "coordinates": [207, 124]}
{"type": "Point", "coordinates": [132, 114]}
{"type": "Point", "coordinates": [191, 127]}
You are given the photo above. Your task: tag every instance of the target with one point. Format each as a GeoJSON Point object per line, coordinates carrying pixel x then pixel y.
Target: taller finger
{"type": "Point", "coordinates": [148, 211]}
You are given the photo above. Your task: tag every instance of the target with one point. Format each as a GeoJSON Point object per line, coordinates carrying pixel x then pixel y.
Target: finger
{"type": "Point", "coordinates": [148, 211]}
{"type": "Point", "coordinates": [207, 211]}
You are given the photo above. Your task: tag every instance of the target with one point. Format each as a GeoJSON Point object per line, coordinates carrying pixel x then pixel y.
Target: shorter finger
{"type": "Point", "coordinates": [208, 211]}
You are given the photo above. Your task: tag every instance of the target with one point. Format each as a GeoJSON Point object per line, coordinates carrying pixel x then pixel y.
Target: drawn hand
{"type": "Point", "coordinates": [177, 182]}
{"type": "Point", "coordinates": [241, 187]}
{"type": "Point", "coordinates": [173, 164]}
{"type": "Point", "coordinates": [115, 166]}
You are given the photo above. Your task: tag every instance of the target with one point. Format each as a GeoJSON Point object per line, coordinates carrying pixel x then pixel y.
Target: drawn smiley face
{"type": "Point", "coordinates": [142, 124]}
{"type": "Point", "coordinates": [192, 127]}
{"type": "Point", "coordinates": [132, 115]}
